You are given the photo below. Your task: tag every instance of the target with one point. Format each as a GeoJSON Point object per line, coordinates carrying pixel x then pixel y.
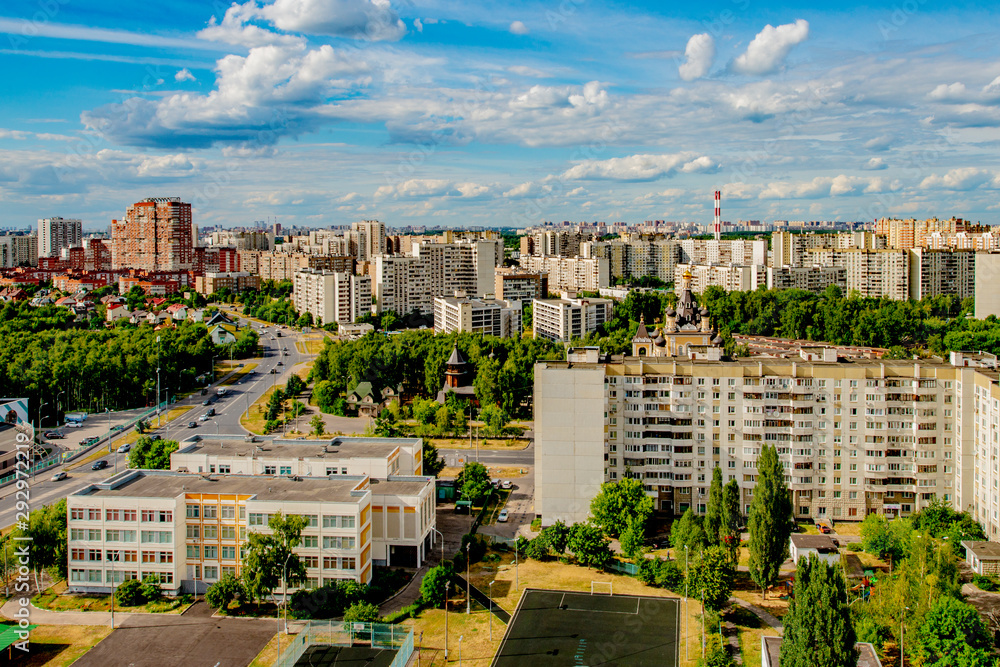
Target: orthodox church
{"type": "Point", "coordinates": [683, 328]}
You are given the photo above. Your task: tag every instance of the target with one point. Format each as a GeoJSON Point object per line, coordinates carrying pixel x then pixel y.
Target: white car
{"type": "Point", "coordinates": [124, 449]}
{"type": "Point", "coordinates": [506, 484]}
{"type": "Point", "coordinates": [203, 418]}
{"type": "Point", "coordinates": [74, 425]}
{"type": "Point", "coordinates": [503, 516]}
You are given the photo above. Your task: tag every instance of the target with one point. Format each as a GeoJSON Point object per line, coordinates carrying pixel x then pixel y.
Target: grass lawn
{"type": "Point", "coordinates": [54, 599]}
{"type": "Point", "coordinates": [269, 654]}
{"type": "Point", "coordinates": [254, 421]}
{"type": "Point", "coordinates": [508, 444]}
{"type": "Point", "coordinates": [750, 643]}
{"type": "Point", "coordinates": [240, 374]}
{"type": "Point", "coordinates": [61, 645]}
{"type": "Point", "coordinates": [773, 605]}
{"type": "Point", "coordinates": [497, 500]}
{"type": "Point", "coordinates": [311, 344]}
{"type": "Point", "coordinates": [807, 528]}
{"type": "Point", "coordinates": [847, 528]}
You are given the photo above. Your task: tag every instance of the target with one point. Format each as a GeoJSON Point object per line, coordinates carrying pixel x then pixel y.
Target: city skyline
{"type": "Point", "coordinates": [325, 112]}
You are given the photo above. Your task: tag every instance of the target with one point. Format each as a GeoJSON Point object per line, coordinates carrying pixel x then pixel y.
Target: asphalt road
{"type": "Point", "coordinates": [44, 491]}
{"type": "Point", "coordinates": [520, 457]}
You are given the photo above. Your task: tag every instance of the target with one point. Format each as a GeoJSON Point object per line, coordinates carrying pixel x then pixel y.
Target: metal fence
{"type": "Point", "coordinates": [339, 633]}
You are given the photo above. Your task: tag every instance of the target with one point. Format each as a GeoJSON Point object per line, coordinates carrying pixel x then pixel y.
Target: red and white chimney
{"type": "Point", "coordinates": [718, 215]}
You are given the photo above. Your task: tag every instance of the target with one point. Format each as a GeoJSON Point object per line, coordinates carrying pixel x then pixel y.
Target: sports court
{"type": "Point", "coordinates": [555, 628]}
{"type": "Point", "coordinates": [345, 656]}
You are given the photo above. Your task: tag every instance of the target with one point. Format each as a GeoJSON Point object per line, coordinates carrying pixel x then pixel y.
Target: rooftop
{"type": "Point", "coordinates": [821, 543]}
{"type": "Point", "coordinates": [335, 448]}
{"type": "Point", "coordinates": [983, 550]}
{"type": "Point", "coordinates": [166, 484]}
{"type": "Point", "coordinates": [866, 653]}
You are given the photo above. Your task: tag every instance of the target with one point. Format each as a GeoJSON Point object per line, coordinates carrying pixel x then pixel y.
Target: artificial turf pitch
{"type": "Point", "coordinates": [555, 628]}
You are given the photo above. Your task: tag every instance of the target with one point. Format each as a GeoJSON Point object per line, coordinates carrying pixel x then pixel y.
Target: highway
{"type": "Point", "coordinates": [519, 457]}
{"type": "Point", "coordinates": [44, 491]}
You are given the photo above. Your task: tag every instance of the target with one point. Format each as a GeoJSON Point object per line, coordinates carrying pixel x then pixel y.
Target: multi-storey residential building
{"type": "Point", "coordinates": [54, 234]}
{"type": "Point", "coordinates": [635, 257]}
{"type": "Point", "coordinates": [331, 296]}
{"type": "Point", "coordinates": [812, 278]}
{"type": "Point", "coordinates": [281, 265]}
{"type": "Point", "coordinates": [486, 316]}
{"type": "Point", "coordinates": [404, 283]}
{"type": "Point", "coordinates": [728, 277]}
{"type": "Point", "coordinates": [573, 274]}
{"type": "Point", "coordinates": [738, 252]}
{"type": "Point", "coordinates": [243, 240]}
{"type": "Point", "coordinates": [213, 282]}
{"type": "Point", "coordinates": [855, 438]}
{"type": "Point", "coordinates": [942, 272]}
{"type": "Point", "coordinates": [987, 279]}
{"type": "Point", "coordinates": [368, 239]}
{"type": "Point", "coordinates": [155, 235]}
{"type": "Point", "coordinates": [18, 251]}
{"type": "Point", "coordinates": [552, 243]}
{"type": "Point", "coordinates": [871, 272]}
{"type": "Point", "coordinates": [512, 284]}
{"type": "Point", "coordinates": [569, 318]}
{"type": "Point", "coordinates": [911, 233]}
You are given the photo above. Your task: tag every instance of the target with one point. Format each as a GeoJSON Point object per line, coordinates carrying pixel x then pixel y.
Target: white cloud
{"type": "Point", "coordinates": [770, 47]}
{"type": "Point", "coordinates": [417, 188]}
{"type": "Point", "coordinates": [944, 92]}
{"type": "Point", "coordinates": [964, 178]}
{"type": "Point", "coordinates": [184, 75]}
{"type": "Point", "coordinates": [640, 167]}
{"type": "Point", "coordinates": [235, 28]}
{"type": "Point", "coordinates": [518, 28]}
{"type": "Point", "coordinates": [875, 164]}
{"type": "Point", "coordinates": [825, 186]}
{"type": "Point", "coordinates": [373, 20]}
{"type": "Point", "coordinates": [523, 70]}
{"type": "Point", "coordinates": [700, 54]}
{"type": "Point", "coordinates": [417, 25]}
{"type": "Point", "coordinates": [993, 87]}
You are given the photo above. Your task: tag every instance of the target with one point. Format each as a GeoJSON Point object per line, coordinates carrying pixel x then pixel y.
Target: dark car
{"type": "Point", "coordinates": [54, 435]}
{"type": "Point", "coordinates": [100, 465]}
{"type": "Point", "coordinates": [89, 441]}
{"type": "Point", "coordinates": [155, 437]}
{"type": "Point", "coordinates": [192, 424]}
{"type": "Point", "coordinates": [273, 371]}
{"type": "Point", "coordinates": [206, 402]}
{"type": "Point", "coordinates": [281, 363]}
{"type": "Point", "coordinates": [117, 427]}
{"type": "Point", "coordinates": [211, 412]}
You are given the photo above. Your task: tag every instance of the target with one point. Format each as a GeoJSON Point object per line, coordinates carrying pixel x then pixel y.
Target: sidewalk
{"type": "Point", "coordinates": [759, 613]}
{"type": "Point", "coordinates": [46, 617]}
{"type": "Point", "coordinates": [405, 597]}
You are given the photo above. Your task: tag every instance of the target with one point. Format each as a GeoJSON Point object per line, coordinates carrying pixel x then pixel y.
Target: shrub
{"type": "Point", "coordinates": [151, 590]}
{"type": "Point", "coordinates": [221, 594]}
{"type": "Point", "coordinates": [985, 583]}
{"type": "Point", "coordinates": [538, 548]}
{"type": "Point", "coordinates": [855, 546]}
{"type": "Point", "coordinates": [362, 612]}
{"type": "Point", "coordinates": [129, 593]}
{"type": "Point", "coordinates": [433, 586]}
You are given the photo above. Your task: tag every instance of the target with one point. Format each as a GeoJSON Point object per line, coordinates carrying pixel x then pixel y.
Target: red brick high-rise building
{"type": "Point", "coordinates": [156, 235]}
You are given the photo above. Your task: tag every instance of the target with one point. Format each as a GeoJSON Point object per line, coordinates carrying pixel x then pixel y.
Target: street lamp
{"type": "Point", "coordinates": [468, 586]}
{"type": "Point", "coordinates": [157, 381]}
{"type": "Point", "coordinates": [284, 588]}
{"type": "Point", "coordinates": [460, 638]}
{"type": "Point", "coordinates": [59, 403]}
{"type": "Point", "coordinates": [113, 582]}
{"type": "Point", "coordinates": [442, 543]}
{"type": "Point", "coordinates": [491, 608]}
{"type": "Point", "coordinates": [445, 617]}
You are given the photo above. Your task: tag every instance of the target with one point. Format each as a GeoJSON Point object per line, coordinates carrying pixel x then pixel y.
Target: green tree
{"type": "Point", "coordinates": [151, 454]}
{"type": "Point", "coordinates": [712, 577]}
{"type": "Point", "coordinates": [713, 517]}
{"type": "Point", "coordinates": [129, 593]}
{"type": "Point", "coordinates": [538, 548]}
{"type": "Point", "coordinates": [732, 519]}
{"type": "Point", "coordinates": [589, 544]}
{"type": "Point", "coordinates": [442, 420]}
{"type": "Point", "coordinates": [473, 481]}
{"type": "Point", "coordinates": [271, 557]}
{"type": "Point", "coordinates": [885, 539]}
{"type": "Point", "coordinates": [953, 633]}
{"type": "Point", "coordinates": [433, 463]}
{"type": "Point", "coordinates": [557, 535]}
{"type": "Point", "coordinates": [275, 404]}
{"type": "Point", "coordinates": [224, 591]}
{"type": "Point", "coordinates": [295, 386]}
{"type": "Point", "coordinates": [687, 531]}
{"type": "Point", "coordinates": [495, 419]}
{"type": "Point", "coordinates": [617, 503]}
{"type": "Point", "coordinates": [432, 587]}
{"type": "Point", "coordinates": [362, 612]}
{"type": "Point", "coordinates": [317, 425]}
{"type": "Point", "coordinates": [770, 520]}
{"type": "Point", "coordinates": [47, 530]}
{"type": "Point", "coordinates": [631, 540]}
{"type": "Point", "coordinates": [716, 654]}
{"type": "Point", "coordinates": [150, 588]}
{"type": "Point", "coordinates": [818, 627]}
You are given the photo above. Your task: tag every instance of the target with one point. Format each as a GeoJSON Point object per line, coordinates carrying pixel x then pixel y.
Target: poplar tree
{"type": "Point", "coordinates": [732, 519]}
{"type": "Point", "coordinates": [713, 517]}
{"type": "Point", "coordinates": [770, 520]}
{"type": "Point", "coordinates": [818, 628]}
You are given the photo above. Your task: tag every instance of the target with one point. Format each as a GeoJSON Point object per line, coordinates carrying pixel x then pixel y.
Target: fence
{"type": "Point", "coordinates": [622, 567]}
{"type": "Point", "coordinates": [338, 633]}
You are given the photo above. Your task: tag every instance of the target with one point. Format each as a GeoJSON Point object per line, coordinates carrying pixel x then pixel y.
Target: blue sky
{"type": "Point", "coordinates": [324, 112]}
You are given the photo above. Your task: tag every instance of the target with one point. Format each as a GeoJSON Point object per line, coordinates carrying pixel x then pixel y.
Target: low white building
{"type": "Point", "coordinates": [454, 314]}
{"type": "Point", "coordinates": [569, 318]}
{"type": "Point", "coordinates": [983, 557]}
{"type": "Point", "coordinates": [821, 546]}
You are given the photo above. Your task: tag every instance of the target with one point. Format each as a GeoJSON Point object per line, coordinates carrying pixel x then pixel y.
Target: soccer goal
{"type": "Point", "coordinates": [609, 590]}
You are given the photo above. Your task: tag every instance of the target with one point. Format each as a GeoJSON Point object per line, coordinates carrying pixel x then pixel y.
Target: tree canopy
{"type": "Point", "coordinates": [818, 627]}
{"type": "Point", "coordinates": [620, 503]}
{"type": "Point", "coordinates": [770, 519]}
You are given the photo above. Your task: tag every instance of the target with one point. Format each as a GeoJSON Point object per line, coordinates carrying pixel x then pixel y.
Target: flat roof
{"type": "Point", "coordinates": [400, 487]}
{"type": "Point", "coordinates": [334, 448]}
{"type": "Point", "coordinates": [983, 550]}
{"type": "Point", "coordinates": [822, 543]}
{"type": "Point", "coordinates": [899, 368]}
{"type": "Point", "coordinates": [867, 657]}
{"type": "Point", "coordinates": [167, 484]}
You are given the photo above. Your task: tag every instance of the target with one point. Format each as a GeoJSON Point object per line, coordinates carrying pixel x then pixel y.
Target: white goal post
{"type": "Point", "coordinates": [609, 584]}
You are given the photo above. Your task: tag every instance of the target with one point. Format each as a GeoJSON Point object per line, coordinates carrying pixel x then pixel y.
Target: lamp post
{"type": "Point", "coordinates": [113, 589]}
{"type": "Point", "coordinates": [516, 581]}
{"type": "Point", "coordinates": [468, 585]}
{"type": "Point", "coordinates": [491, 608]}
{"type": "Point", "coordinates": [442, 543]}
{"type": "Point", "coordinates": [687, 653]}
{"type": "Point", "coordinates": [460, 638]}
{"type": "Point", "coordinates": [445, 618]}
{"type": "Point", "coordinates": [157, 381]}
{"type": "Point", "coordinates": [59, 403]}
{"type": "Point", "coordinates": [284, 588]}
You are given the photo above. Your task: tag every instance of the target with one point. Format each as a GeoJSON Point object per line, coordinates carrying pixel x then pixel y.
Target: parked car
{"type": "Point", "coordinates": [124, 449]}
{"type": "Point", "coordinates": [74, 425]}
{"type": "Point", "coordinates": [506, 484]}
{"type": "Point", "coordinates": [155, 437]}
{"type": "Point", "coordinates": [503, 516]}
{"type": "Point", "coordinates": [54, 435]}
{"type": "Point", "coordinates": [823, 528]}
{"type": "Point", "coordinates": [100, 465]}
{"type": "Point", "coordinates": [192, 424]}
{"type": "Point", "coordinates": [59, 476]}
{"type": "Point", "coordinates": [117, 427]}
{"type": "Point", "coordinates": [281, 363]}
{"type": "Point", "coordinates": [89, 441]}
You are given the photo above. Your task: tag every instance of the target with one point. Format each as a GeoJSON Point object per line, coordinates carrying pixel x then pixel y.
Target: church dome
{"type": "Point", "coordinates": [717, 340]}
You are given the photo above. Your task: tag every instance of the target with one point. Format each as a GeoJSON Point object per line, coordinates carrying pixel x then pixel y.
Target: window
{"type": "Point", "coordinates": [285, 470]}
{"type": "Point", "coordinates": [338, 521]}
{"type": "Point", "coordinates": [228, 512]}
{"type": "Point", "coordinates": [224, 469]}
{"type": "Point", "coordinates": [194, 532]}
{"type": "Point", "coordinates": [270, 470]}
{"type": "Point", "coordinates": [211, 532]}
{"type": "Point", "coordinates": [311, 520]}
{"type": "Point", "coordinates": [347, 564]}
{"type": "Point", "coordinates": [338, 542]}
{"type": "Point", "coordinates": [229, 532]}
{"type": "Point", "coordinates": [310, 541]}
{"type": "Point", "coordinates": [211, 572]}
{"type": "Point", "coordinates": [193, 551]}
{"type": "Point", "coordinates": [310, 561]}
{"type": "Point", "coordinates": [119, 535]}
{"type": "Point", "coordinates": [228, 569]}
{"type": "Point", "coordinates": [229, 553]}
{"type": "Point", "coordinates": [210, 512]}
{"type": "Point", "coordinates": [192, 512]}
{"type": "Point", "coordinates": [258, 519]}
{"type": "Point", "coordinates": [156, 536]}
{"type": "Point", "coordinates": [211, 552]}
{"type": "Point", "coordinates": [333, 470]}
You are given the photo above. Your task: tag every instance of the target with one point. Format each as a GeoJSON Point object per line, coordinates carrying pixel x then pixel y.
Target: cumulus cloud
{"type": "Point", "coordinates": [826, 186]}
{"type": "Point", "coordinates": [640, 167]}
{"type": "Point", "coordinates": [236, 28]}
{"type": "Point", "coordinates": [360, 19]}
{"type": "Point", "coordinates": [875, 164]}
{"type": "Point", "coordinates": [523, 70]}
{"type": "Point", "coordinates": [518, 28]}
{"type": "Point", "coordinates": [417, 188]}
{"type": "Point", "coordinates": [770, 47]}
{"type": "Point", "coordinates": [271, 92]}
{"type": "Point", "coordinates": [879, 143]}
{"type": "Point", "coordinates": [948, 92]}
{"type": "Point", "coordinates": [418, 25]}
{"type": "Point", "coordinates": [700, 54]}
{"type": "Point", "coordinates": [184, 75]}
{"type": "Point", "coordinates": [964, 178]}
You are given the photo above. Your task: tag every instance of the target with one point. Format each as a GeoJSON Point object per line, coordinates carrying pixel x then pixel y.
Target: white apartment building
{"type": "Point", "coordinates": [812, 278]}
{"type": "Point", "coordinates": [569, 318]}
{"type": "Point", "coordinates": [18, 251]}
{"type": "Point", "coordinates": [404, 283]}
{"type": "Point", "coordinates": [485, 316]}
{"type": "Point", "coordinates": [728, 277]}
{"type": "Point", "coordinates": [872, 273]}
{"type": "Point", "coordinates": [331, 296]}
{"type": "Point", "coordinates": [54, 234]}
{"type": "Point", "coordinates": [942, 272]}
{"type": "Point", "coordinates": [710, 251]}
{"type": "Point", "coordinates": [368, 239]}
{"type": "Point", "coordinates": [855, 436]}
{"type": "Point", "coordinates": [635, 258]}
{"type": "Point", "coordinates": [573, 274]}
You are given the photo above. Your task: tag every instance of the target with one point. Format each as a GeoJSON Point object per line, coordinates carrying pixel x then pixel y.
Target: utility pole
{"type": "Point", "coordinates": [468, 579]}
{"type": "Point", "coordinates": [157, 381]}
